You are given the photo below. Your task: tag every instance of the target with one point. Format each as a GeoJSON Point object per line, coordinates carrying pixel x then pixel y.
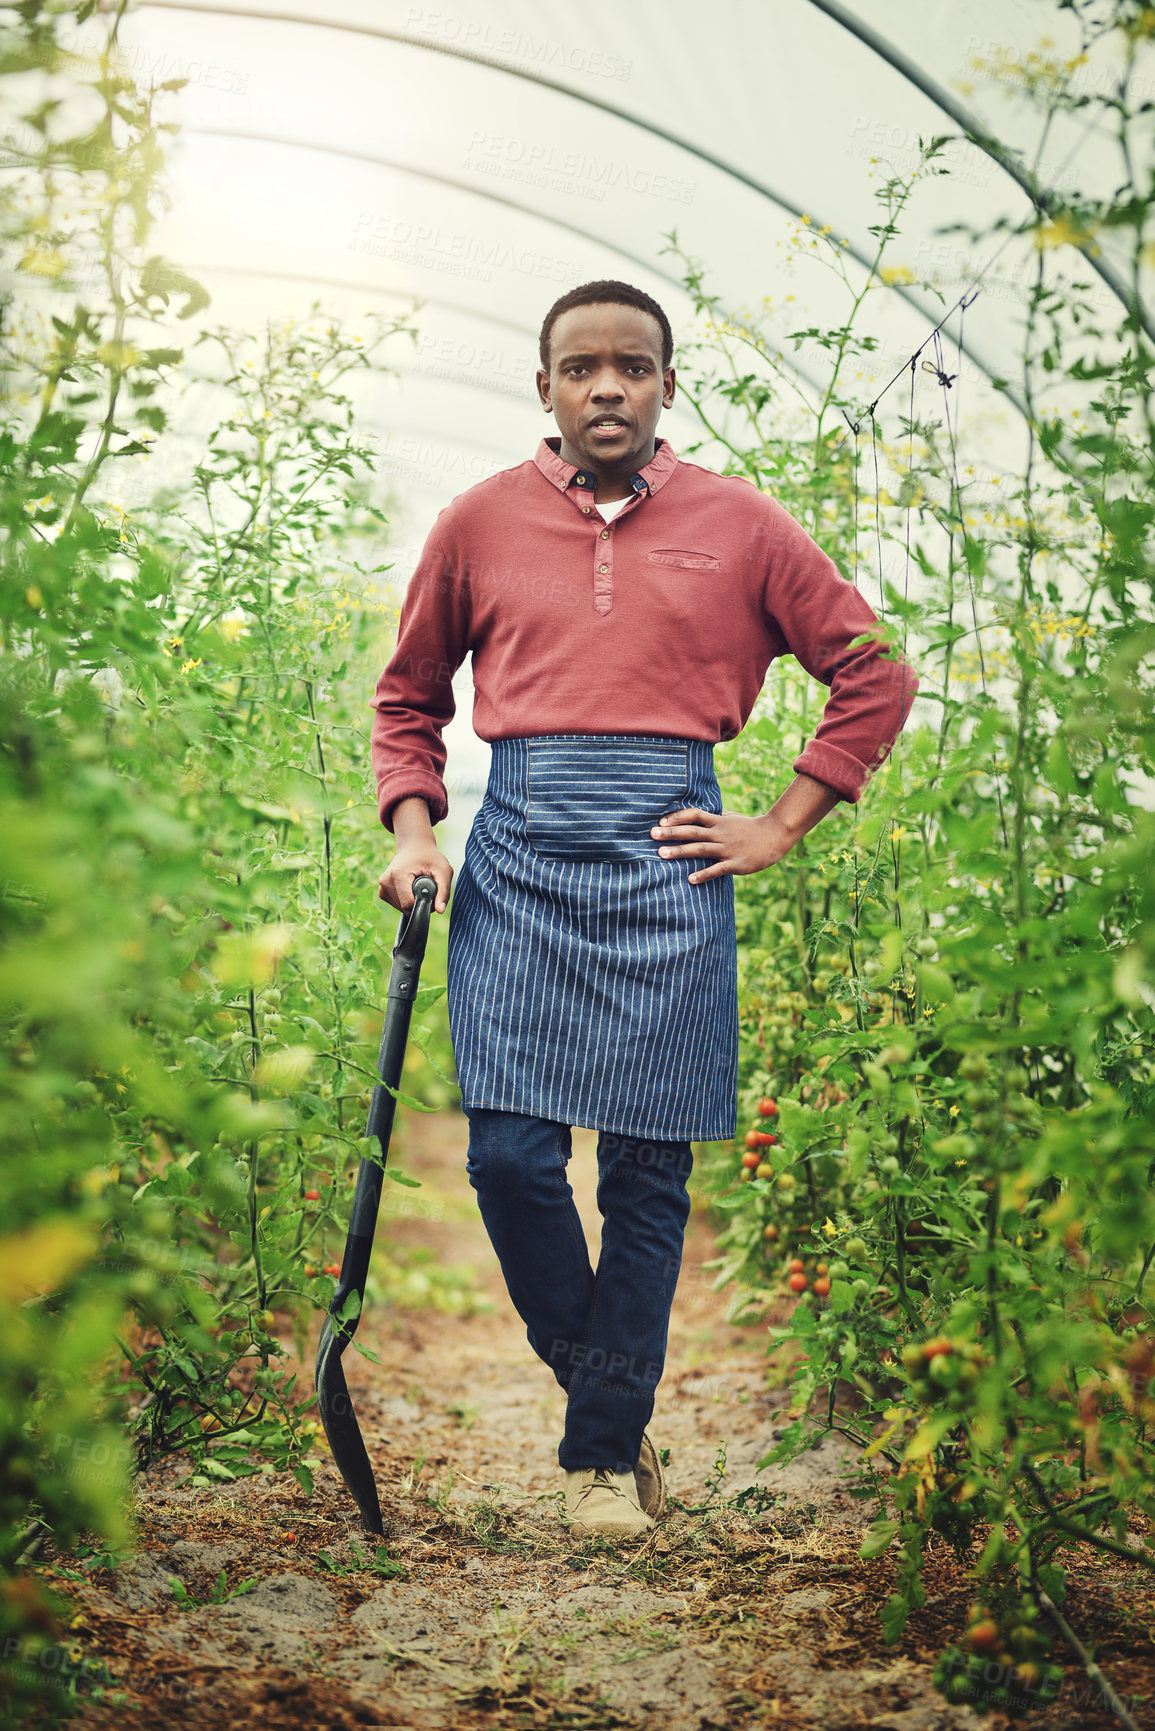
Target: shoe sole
{"type": "Point", "coordinates": [611, 1532]}
{"type": "Point", "coordinates": [650, 1480]}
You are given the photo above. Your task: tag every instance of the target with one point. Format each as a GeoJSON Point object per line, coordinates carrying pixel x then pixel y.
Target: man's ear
{"type": "Point", "coordinates": [543, 391]}
{"type": "Point", "coordinates": [669, 381]}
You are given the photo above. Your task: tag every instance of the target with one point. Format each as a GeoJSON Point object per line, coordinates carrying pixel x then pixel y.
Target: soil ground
{"type": "Point", "coordinates": [497, 1614]}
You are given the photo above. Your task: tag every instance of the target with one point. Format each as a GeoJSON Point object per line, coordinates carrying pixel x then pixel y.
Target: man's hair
{"type": "Point", "coordinates": [621, 294]}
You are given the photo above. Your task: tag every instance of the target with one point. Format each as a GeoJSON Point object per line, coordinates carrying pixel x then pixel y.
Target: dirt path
{"type": "Point", "coordinates": [490, 1613]}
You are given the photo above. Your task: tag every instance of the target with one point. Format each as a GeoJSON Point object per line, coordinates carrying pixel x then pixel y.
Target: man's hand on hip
{"type": "Point", "coordinates": [738, 845]}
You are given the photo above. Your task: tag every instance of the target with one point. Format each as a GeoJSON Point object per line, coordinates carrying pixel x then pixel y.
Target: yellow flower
{"type": "Point", "coordinates": [953, 1112]}
{"type": "Point", "coordinates": [1062, 232]}
{"type": "Point", "coordinates": [43, 261]}
{"type": "Point", "coordinates": [897, 275]}
{"type": "Point", "coordinates": [118, 355]}
{"type": "Point", "coordinates": [187, 666]}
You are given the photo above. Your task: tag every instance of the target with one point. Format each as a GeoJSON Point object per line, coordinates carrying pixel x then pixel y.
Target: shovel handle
{"type": "Point", "coordinates": [408, 954]}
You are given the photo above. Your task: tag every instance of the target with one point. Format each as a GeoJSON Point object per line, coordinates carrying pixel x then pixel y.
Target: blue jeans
{"type": "Point", "coordinates": [602, 1334]}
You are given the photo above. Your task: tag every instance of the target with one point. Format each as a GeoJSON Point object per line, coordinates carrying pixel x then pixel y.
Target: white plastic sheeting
{"type": "Point", "coordinates": [485, 157]}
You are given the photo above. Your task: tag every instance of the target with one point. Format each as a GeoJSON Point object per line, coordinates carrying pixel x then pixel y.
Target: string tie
{"type": "Point", "coordinates": [944, 379]}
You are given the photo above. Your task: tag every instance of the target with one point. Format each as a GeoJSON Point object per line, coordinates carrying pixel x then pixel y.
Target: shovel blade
{"type": "Point", "coordinates": [335, 1405]}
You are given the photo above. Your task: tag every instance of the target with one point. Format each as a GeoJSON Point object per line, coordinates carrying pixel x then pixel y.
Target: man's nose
{"type": "Point", "coordinates": [607, 384]}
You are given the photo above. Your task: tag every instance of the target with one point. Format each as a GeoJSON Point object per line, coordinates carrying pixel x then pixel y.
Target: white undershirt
{"type": "Point", "coordinates": [612, 506]}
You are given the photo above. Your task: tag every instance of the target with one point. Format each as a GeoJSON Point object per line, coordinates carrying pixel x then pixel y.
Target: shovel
{"type": "Point", "coordinates": [333, 1399]}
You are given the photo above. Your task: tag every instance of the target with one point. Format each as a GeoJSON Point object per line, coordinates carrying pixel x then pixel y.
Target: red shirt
{"type": "Point", "coordinates": [663, 621]}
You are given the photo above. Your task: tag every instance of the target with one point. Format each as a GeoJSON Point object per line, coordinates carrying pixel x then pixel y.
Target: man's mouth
{"type": "Point", "coordinates": [607, 426]}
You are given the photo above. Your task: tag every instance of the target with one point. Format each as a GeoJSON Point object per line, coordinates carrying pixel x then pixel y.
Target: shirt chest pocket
{"type": "Point", "coordinates": [597, 798]}
{"type": "Point", "coordinates": [683, 559]}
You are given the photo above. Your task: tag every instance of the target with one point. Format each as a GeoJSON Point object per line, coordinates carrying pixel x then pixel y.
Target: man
{"type": "Point", "coordinates": [622, 608]}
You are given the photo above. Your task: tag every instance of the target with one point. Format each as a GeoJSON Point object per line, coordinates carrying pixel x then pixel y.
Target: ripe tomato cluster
{"type": "Point", "coordinates": [333, 1268]}
{"type": "Point", "coordinates": [805, 1272]}
{"type": "Point", "coordinates": [1003, 1665]}
{"type": "Point", "coordinates": [753, 1164]}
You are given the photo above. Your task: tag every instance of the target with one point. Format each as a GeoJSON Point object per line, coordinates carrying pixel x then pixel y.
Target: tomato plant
{"type": "Point", "coordinates": [192, 983]}
{"type": "Point", "coordinates": [947, 992]}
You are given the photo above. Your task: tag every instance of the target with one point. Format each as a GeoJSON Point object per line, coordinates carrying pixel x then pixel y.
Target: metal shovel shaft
{"type": "Point", "coordinates": [333, 1399]}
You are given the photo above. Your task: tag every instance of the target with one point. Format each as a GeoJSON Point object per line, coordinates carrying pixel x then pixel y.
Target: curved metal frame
{"type": "Point", "coordinates": [471, 191]}
{"type": "Point", "coordinates": [730, 169]}
{"type": "Point", "coordinates": [1042, 197]}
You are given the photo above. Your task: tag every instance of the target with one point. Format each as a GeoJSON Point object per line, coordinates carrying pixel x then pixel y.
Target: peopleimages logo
{"type": "Point", "coordinates": [454, 251]}
{"type": "Point", "coordinates": [532, 162]}
{"type": "Point", "coordinates": [479, 37]}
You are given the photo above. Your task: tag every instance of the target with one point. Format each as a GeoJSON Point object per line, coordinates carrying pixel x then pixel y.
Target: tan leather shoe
{"type": "Point", "coordinates": [650, 1480]}
{"type": "Point", "coordinates": [599, 1500]}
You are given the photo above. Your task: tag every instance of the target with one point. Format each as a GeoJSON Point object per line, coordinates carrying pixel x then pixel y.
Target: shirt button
{"type": "Point", "coordinates": [603, 569]}
{"type": "Point", "coordinates": [605, 534]}
{"type": "Point", "coordinates": [585, 510]}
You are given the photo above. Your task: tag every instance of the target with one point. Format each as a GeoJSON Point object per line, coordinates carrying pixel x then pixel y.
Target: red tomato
{"type": "Point", "coordinates": [312, 1195]}
{"type": "Point", "coordinates": [760, 1139]}
{"type": "Point", "coordinates": [984, 1636]}
{"type": "Point", "coordinates": [751, 1158]}
{"type": "Point", "coordinates": [796, 1265]}
{"type": "Point", "coordinates": [332, 1268]}
{"type": "Point", "coordinates": [797, 1282]}
{"type": "Point", "coordinates": [768, 1108]}
{"type": "Point", "coordinates": [822, 1286]}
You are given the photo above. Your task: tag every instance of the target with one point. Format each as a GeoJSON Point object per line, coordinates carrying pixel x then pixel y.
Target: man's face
{"type": "Point", "coordinates": [606, 387]}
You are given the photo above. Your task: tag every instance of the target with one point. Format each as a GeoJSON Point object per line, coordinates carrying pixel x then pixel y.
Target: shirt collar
{"type": "Point", "coordinates": [563, 475]}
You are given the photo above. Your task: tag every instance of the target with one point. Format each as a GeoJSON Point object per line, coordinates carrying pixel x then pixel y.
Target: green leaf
{"type": "Point", "coordinates": [878, 1539]}
{"type": "Point", "coordinates": [893, 1617]}
{"type": "Point", "coordinates": [407, 1099]}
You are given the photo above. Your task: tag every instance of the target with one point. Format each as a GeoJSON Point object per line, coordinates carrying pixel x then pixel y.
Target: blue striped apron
{"type": "Point", "coordinates": [589, 981]}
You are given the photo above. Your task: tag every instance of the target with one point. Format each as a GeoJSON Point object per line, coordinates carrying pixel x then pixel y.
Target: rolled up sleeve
{"type": "Point", "coordinates": [819, 616]}
{"type": "Point", "coordinates": [413, 700]}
